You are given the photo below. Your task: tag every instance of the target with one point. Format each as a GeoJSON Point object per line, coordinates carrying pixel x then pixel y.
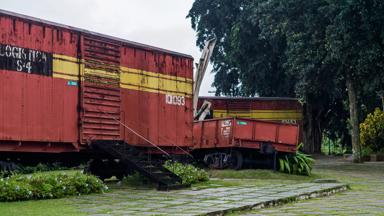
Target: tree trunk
{"type": "Point", "coordinates": [312, 136]}
{"type": "Point", "coordinates": [353, 114]}
{"type": "Point", "coordinates": [381, 95]}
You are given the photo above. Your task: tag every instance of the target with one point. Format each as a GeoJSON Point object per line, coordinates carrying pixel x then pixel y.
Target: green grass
{"type": "Point", "coordinates": [260, 174]}
{"type": "Point", "coordinates": [49, 207]}
{"type": "Point", "coordinates": [219, 178]}
{"type": "Point", "coordinates": [39, 207]}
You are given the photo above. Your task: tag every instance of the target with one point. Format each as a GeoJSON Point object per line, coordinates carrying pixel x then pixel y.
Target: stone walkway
{"type": "Point", "coordinates": [366, 196]}
{"type": "Point", "coordinates": [199, 202]}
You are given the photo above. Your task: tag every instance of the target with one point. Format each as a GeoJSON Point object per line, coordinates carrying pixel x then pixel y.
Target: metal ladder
{"type": "Point", "coordinates": [131, 157]}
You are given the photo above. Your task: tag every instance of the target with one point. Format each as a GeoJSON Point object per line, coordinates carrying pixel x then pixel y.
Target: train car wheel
{"type": "Point", "coordinates": [237, 160]}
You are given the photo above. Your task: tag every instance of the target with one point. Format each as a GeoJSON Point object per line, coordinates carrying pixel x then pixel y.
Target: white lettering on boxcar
{"type": "Point", "coordinates": [175, 100]}
{"type": "Point", "coordinates": [25, 60]}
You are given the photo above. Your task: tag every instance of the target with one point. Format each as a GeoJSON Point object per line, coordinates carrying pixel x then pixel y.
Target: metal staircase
{"type": "Point", "coordinates": [133, 158]}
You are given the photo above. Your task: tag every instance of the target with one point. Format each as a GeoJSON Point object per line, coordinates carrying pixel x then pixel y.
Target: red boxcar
{"type": "Point", "coordinates": [62, 87]}
{"type": "Point", "coordinates": [286, 110]}
{"type": "Point", "coordinates": [245, 133]}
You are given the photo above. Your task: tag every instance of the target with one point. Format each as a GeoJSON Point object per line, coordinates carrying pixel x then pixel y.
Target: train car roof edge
{"type": "Point", "coordinates": [132, 43]}
{"type": "Point", "coordinates": [247, 98]}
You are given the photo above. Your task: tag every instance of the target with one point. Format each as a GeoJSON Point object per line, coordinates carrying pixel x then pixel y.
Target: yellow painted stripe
{"type": "Point", "coordinates": [141, 88]}
{"type": "Point", "coordinates": [261, 114]}
{"type": "Point", "coordinates": [66, 67]}
{"type": "Point", "coordinates": [64, 76]}
{"type": "Point", "coordinates": [64, 57]}
{"type": "Point", "coordinates": [154, 74]}
{"type": "Point", "coordinates": [101, 73]}
{"type": "Point", "coordinates": [156, 83]}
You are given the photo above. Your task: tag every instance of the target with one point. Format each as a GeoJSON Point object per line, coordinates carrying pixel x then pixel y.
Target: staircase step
{"type": "Point", "coordinates": [130, 156]}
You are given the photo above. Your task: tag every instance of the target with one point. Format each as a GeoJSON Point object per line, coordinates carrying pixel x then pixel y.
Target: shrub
{"type": "Point", "coordinates": [10, 168]}
{"type": "Point", "coordinates": [48, 185]}
{"type": "Point", "coordinates": [136, 179]}
{"type": "Point", "coordinates": [372, 131]}
{"type": "Point", "coordinates": [297, 164]}
{"type": "Point", "coordinates": [187, 172]}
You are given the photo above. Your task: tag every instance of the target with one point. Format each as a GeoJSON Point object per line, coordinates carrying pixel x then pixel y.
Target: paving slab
{"type": "Point", "coordinates": [366, 196]}
{"type": "Point", "coordinates": [212, 201]}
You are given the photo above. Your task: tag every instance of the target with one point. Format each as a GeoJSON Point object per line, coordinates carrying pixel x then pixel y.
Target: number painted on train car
{"type": "Point", "coordinates": [289, 121]}
{"type": "Point", "coordinates": [175, 100]}
{"type": "Point", "coordinates": [25, 60]}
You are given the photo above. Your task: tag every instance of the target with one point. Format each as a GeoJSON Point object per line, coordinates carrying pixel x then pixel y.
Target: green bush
{"type": "Point", "coordinates": [372, 131]}
{"type": "Point", "coordinates": [48, 185]}
{"type": "Point", "coordinates": [187, 172]}
{"type": "Point", "coordinates": [297, 164]}
{"type": "Point", "coordinates": [13, 168]}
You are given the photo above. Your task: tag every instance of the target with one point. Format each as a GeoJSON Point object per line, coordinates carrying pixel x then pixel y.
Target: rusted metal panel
{"type": "Point", "coordinates": [100, 90]}
{"type": "Point", "coordinates": [80, 84]}
{"type": "Point", "coordinates": [287, 110]}
{"type": "Point", "coordinates": [246, 133]}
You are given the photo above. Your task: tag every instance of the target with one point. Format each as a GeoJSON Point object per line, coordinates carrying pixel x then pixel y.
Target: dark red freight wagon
{"type": "Point", "coordinates": [228, 141]}
{"type": "Point", "coordinates": [63, 89]}
{"type": "Point", "coordinates": [286, 110]}
{"type": "Point", "coordinates": [277, 109]}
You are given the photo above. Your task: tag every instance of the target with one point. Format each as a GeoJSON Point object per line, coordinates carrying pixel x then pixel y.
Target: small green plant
{"type": "Point", "coordinates": [187, 172]}
{"type": "Point", "coordinates": [372, 131]}
{"type": "Point", "coordinates": [48, 185]}
{"type": "Point", "coordinates": [136, 180]}
{"type": "Point", "coordinates": [297, 164]}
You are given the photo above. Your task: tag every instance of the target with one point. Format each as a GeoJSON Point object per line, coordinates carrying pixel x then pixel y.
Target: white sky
{"type": "Point", "coordinates": [160, 23]}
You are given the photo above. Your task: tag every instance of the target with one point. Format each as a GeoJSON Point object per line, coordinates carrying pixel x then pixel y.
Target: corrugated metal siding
{"type": "Point", "coordinates": [100, 90]}
{"type": "Point", "coordinates": [246, 133]}
{"type": "Point", "coordinates": [147, 88]}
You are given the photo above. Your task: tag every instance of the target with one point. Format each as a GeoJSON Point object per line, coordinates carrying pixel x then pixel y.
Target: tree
{"type": "Point", "coordinates": [356, 43]}
{"type": "Point", "coordinates": [311, 49]}
{"type": "Point", "coordinates": [304, 25]}
{"type": "Point", "coordinates": [244, 62]}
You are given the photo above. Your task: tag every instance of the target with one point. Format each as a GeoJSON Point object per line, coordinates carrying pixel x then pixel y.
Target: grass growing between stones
{"type": "Point", "coordinates": [365, 196]}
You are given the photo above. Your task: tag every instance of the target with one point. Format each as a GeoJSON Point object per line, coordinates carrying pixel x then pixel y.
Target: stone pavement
{"type": "Point", "coordinates": [214, 201]}
{"type": "Point", "coordinates": [366, 196]}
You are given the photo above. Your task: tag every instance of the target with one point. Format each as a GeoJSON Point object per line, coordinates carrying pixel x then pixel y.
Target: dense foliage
{"type": "Point", "coordinates": [9, 169]}
{"type": "Point", "coordinates": [48, 185]}
{"type": "Point", "coordinates": [372, 131]}
{"type": "Point", "coordinates": [329, 53]}
{"type": "Point", "coordinates": [187, 172]}
{"type": "Point", "coordinates": [297, 164]}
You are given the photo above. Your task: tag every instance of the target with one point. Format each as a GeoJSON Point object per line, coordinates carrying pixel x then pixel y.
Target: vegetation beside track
{"type": "Point", "coordinates": [48, 185]}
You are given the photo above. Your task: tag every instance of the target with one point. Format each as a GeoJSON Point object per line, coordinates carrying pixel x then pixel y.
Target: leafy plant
{"type": "Point", "coordinates": [10, 168]}
{"type": "Point", "coordinates": [297, 164]}
{"type": "Point", "coordinates": [48, 185]}
{"type": "Point", "coordinates": [372, 131]}
{"type": "Point", "coordinates": [187, 172]}
{"type": "Point", "coordinates": [136, 179]}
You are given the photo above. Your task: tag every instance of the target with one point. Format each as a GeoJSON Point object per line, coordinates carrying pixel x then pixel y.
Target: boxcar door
{"type": "Point", "coordinates": [100, 93]}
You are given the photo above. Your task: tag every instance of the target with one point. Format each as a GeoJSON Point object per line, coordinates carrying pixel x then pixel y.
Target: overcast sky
{"type": "Point", "coordinates": [160, 23]}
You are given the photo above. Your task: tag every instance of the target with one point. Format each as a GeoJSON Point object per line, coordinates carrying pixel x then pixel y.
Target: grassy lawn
{"type": "Point", "coordinates": [219, 178]}
{"type": "Point", "coordinates": [39, 207]}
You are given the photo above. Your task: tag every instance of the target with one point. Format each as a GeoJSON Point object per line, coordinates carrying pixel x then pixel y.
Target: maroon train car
{"type": "Point", "coordinates": [62, 87]}
{"type": "Point", "coordinates": [286, 110]}
{"type": "Point", "coordinates": [258, 129]}
{"type": "Point", "coordinates": [245, 133]}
